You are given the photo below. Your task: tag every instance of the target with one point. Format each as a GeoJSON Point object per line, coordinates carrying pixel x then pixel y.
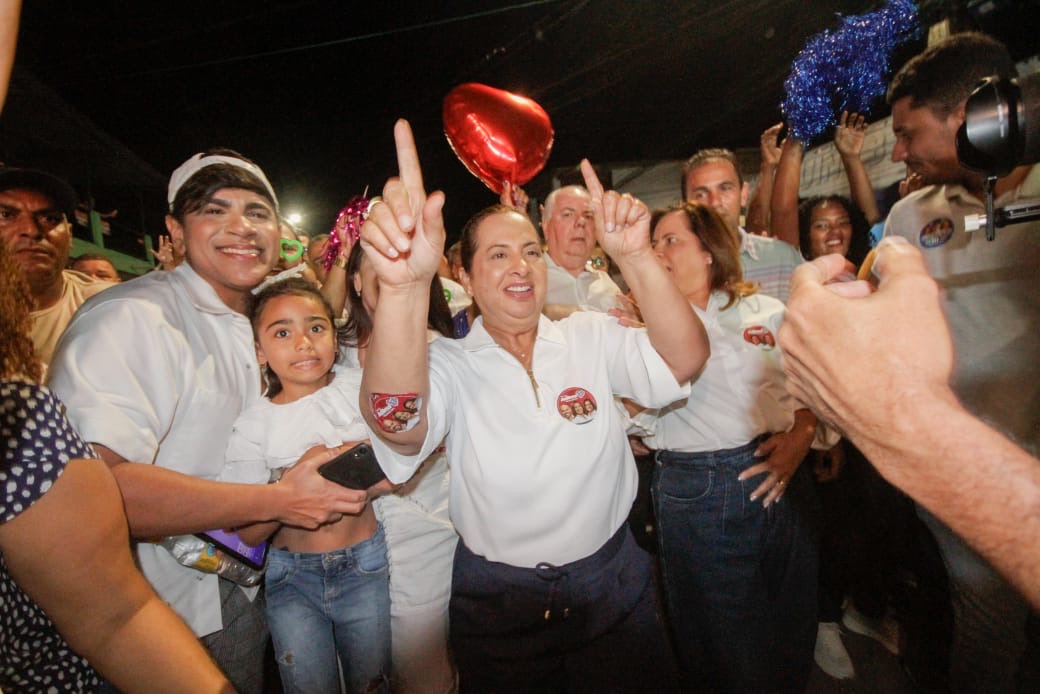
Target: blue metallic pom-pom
{"type": "Point", "coordinates": [845, 69]}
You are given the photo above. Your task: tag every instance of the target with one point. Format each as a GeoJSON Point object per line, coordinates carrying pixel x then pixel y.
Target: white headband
{"type": "Point", "coordinates": [189, 168]}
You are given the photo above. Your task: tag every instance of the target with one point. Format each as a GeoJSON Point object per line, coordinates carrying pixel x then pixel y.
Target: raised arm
{"type": "Point", "coordinates": [334, 289]}
{"type": "Point", "coordinates": [403, 239]}
{"type": "Point", "coordinates": [758, 213]}
{"type": "Point", "coordinates": [783, 222]}
{"type": "Point", "coordinates": [623, 231]}
{"type": "Point", "coordinates": [898, 408]}
{"type": "Point", "coordinates": [9, 13]}
{"type": "Point", "coordinates": [848, 140]}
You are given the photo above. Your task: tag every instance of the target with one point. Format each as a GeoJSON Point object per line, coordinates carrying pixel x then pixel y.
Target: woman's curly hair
{"type": "Point", "coordinates": [17, 356]}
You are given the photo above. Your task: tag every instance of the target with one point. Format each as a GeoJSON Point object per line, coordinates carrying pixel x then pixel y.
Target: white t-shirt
{"type": "Point", "coordinates": [529, 485]}
{"type": "Point", "coordinates": [589, 291]}
{"type": "Point", "coordinates": [49, 323]}
{"type": "Point", "coordinates": [158, 370]}
{"type": "Point", "coordinates": [991, 300]}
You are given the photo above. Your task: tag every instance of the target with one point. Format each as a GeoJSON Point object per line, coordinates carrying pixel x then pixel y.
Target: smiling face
{"type": "Point", "coordinates": [231, 241]}
{"type": "Point", "coordinates": [568, 227]}
{"type": "Point", "coordinates": [37, 236]}
{"type": "Point", "coordinates": [507, 278]}
{"type": "Point", "coordinates": [683, 255]}
{"type": "Point", "coordinates": [927, 143]}
{"type": "Point", "coordinates": [830, 230]}
{"type": "Point", "coordinates": [296, 339]}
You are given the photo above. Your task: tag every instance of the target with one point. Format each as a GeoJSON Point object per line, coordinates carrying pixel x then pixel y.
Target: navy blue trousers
{"type": "Point", "coordinates": [589, 626]}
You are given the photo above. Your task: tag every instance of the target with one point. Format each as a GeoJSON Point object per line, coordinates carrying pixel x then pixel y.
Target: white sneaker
{"type": "Point", "coordinates": [885, 630]}
{"type": "Point", "coordinates": [830, 653]}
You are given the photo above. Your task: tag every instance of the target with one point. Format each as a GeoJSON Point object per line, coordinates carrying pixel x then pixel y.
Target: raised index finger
{"type": "Point", "coordinates": [592, 183]}
{"type": "Point", "coordinates": [408, 163]}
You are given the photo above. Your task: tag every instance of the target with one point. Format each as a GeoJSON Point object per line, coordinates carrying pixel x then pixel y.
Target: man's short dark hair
{"type": "Point", "coordinates": [943, 76]}
{"type": "Point", "coordinates": [703, 157]}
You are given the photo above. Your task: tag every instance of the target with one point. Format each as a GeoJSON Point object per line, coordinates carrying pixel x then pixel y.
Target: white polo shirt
{"type": "Point", "coordinates": [589, 291]}
{"type": "Point", "coordinates": [990, 297]}
{"type": "Point", "coordinates": [527, 484]}
{"type": "Point", "coordinates": [158, 370]}
{"type": "Point", "coordinates": [740, 393]}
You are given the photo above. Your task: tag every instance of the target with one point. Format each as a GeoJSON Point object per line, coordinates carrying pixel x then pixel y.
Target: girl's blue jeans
{"type": "Point", "coordinates": [324, 605]}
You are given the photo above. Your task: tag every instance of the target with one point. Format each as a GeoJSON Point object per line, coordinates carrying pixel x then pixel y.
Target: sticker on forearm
{"type": "Point", "coordinates": [396, 413]}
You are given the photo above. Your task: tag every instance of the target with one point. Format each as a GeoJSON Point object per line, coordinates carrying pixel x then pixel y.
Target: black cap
{"type": "Point", "coordinates": [60, 192]}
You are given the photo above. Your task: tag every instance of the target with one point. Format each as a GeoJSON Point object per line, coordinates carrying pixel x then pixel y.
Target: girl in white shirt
{"type": "Point", "coordinates": [328, 588]}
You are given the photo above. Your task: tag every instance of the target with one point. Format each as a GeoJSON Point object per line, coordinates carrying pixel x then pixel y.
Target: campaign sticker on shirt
{"type": "Point", "coordinates": [759, 336]}
{"type": "Point", "coordinates": [576, 405]}
{"type": "Point", "coordinates": [396, 413]}
{"type": "Point", "coordinates": [936, 232]}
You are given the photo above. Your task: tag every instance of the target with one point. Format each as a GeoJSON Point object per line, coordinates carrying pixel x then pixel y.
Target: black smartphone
{"type": "Point", "coordinates": [356, 468]}
{"type": "Point", "coordinates": [231, 543]}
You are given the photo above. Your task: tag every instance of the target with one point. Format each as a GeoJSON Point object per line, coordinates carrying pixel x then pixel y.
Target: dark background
{"type": "Point", "coordinates": [310, 88]}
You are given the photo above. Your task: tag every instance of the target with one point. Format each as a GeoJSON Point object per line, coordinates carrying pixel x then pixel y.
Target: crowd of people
{"type": "Point", "coordinates": [508, 384]}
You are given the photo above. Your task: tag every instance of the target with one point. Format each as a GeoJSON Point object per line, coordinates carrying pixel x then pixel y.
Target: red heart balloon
{"type": "Point", "coordinates": [499, 136]}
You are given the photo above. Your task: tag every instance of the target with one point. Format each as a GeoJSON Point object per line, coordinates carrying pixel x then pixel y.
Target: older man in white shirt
{"type": "Point", "coordinates": [567, 226]}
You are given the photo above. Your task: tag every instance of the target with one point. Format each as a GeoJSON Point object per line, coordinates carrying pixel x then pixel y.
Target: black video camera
{"type": "Point", "coordinates": [1001, 130]}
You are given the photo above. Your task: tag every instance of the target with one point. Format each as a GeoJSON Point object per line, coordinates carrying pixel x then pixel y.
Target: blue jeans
{"type": "Point", "coordinates": [328, 604]}
{"type": "Point", "coordinates": [739, 579]}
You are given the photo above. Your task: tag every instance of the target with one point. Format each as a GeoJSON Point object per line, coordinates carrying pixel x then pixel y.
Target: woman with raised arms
{"type": "Point", "coordinates": [549, 590]}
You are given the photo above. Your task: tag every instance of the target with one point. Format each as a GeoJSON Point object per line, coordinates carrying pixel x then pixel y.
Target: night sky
{"type": "Point", "coordinates": [310, 89]}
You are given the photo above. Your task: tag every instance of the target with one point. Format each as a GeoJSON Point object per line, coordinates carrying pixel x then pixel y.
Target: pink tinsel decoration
{"type": "Point", "coordinates": [347, 229]}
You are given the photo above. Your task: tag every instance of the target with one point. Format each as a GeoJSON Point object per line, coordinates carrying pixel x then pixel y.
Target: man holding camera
{"type": "Point", "coordinates": [992, 303]}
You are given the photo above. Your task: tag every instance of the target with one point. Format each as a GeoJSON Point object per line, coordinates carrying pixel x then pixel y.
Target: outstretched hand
{"type": "Point", "coordinates": [850, 134]}
{"type": "Point", "coordinates": [622, 222]}
{"type": "Point", "coordinates": [769, 147]}
{"type": "Point", "coordinates": [403, 236]}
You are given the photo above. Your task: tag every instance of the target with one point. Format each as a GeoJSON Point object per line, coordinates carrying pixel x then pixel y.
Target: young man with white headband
{"type": "Point", "coordinates": [155, 372]}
